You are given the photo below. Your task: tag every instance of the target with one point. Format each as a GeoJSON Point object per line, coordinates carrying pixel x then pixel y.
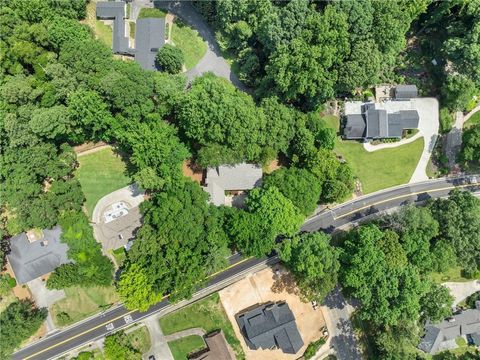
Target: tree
{"type": "Point", "coordinates": [117, 346]}
{"type": "Point", "coordinates": [314, 263]}
{"type": "Point", "coordinates": [437, 303]}
{"type": "Point", "coordinates": [170, 59]}
{"type": "Point", "coordinates": [298, 185]}
{"type": "Point", "coordinates": [135, 289]}
{"type": "Point", "coordinates": [457, 91]}
{"type": "Point", "coordinates": [19, 321]}
{"type": "Point", "coordinates": [52, 123]}
{"type": "Point", "coordinates": [471, 144]}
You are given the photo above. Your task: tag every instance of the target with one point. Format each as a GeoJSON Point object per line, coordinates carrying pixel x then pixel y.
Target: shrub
{"type": "Point", "coordinates": [170, 59]}
{"type": "Point", "coordinates": [446, 120]}
{"type": "Point", "coordinates": [63, 318]}
{"type": "Point", "coordinates": [313, 347]}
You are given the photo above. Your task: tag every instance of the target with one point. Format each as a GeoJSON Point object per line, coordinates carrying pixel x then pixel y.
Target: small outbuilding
{"type": "Point", "coordinates": [33, 258]}
{"type": "Point", "coordinates": [217, 348]}
{"type": "Point", "coordinates": [270, 326]}
{"type": "Point", "coordinates": [406, 92]}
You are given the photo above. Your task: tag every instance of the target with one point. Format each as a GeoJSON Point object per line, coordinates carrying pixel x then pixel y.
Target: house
{"type": "Point", "coordinates": [441, 336]}
{"type": "Point", "coordinates": [115, 10]}
{"type": "Point", "coordinates": [32, 258]}
{"type": "Point", "coordinates": [149, 34]}
{"type": "Point", "coordinates": [149, 37]}
{"type": "Point", "coordinates": [217, 348]}
{"type": "Point", "coordinates": [270, 326]}
{"type": "Point", "coordinates": [405, 92]}
{"type": "Point", "coordinates": [231, 178]}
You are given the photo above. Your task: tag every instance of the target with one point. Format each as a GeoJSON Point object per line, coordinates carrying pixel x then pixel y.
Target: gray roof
{"type": "Point", "coordinates": [149, 37]}
{"type": "Point", "coordinates": [465, 323]}
{"type": "Point", "coordinates": [30, 260]}
{"type": "Point", "coordinates": [355, 127]}
{"type": "Point", "coordinates": [115, 10]}
{"type": "Point", "coordinates": [270, 325]}
{"type": "Point", "coordinates": [231, 177]}
{"type": "Point", "coordinates": [377, 125]}
{"type": "Point", "coordinates": [405, 92]}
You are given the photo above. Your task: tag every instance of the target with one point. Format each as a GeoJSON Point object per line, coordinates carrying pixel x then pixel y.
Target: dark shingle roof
{"type": "Point", "coordinates": [465, 323]}
{"type": "Point", "coordinates": [355, 127]}
{"type": "Point", "coordinates": [405, 92]}
{"type": "Point", "coordinates": [377, 126]}
{"type": "Point", "coordinates": [149, 37]}
{"type": "Point", "coordinates": [269, 326]}
{"type": "Point", "coordinates": [115, 10]}
{"type": "Point", "coordinates": [30, 260]}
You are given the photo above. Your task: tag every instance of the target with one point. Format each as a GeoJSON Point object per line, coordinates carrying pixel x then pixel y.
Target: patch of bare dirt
{"type": "Point", "coordinates": [192, 171]}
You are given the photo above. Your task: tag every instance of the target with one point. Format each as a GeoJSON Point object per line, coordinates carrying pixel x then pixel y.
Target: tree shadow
{"type": "Point", "coordinates": [285, 282]}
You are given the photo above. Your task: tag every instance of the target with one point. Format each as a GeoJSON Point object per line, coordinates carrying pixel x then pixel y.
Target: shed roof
{"type": "Point", "coordinates": [30, 260]}
{"type": "Point", "coordinates": [149, 37]}
{"type": "Point", "coordinates": [270, 325]}
{"type": "Point", "coordinates": [405, 92]}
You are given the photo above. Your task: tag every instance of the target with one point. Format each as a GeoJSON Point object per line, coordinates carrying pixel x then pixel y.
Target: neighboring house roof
{"type": "Point", "coordinates": [30, 260]}
{"type": "Point", "coordinates": [115, 10]}
{"type": "Point", "coordinates": [231, 177]}
{"type": "Point", "coordinates": [465, 323]}
{"type": "Point", "coordinates": [379, 123]}
{"type": "Point", "coordinates": [269, 326]}
{"type": "Point", "coordinates": [405, 92]}
{"type": "Point", "coordinates": [217, 348]}
{"type": "Point", "coordinates": [149, 37]}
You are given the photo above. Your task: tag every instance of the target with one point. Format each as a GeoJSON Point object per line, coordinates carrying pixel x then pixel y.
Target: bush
{"type": "Point", "coordinates": [63, 318]}
{"type": "Point", "coordinates": [6, 284]}
{"type": "Point", "coordinates": [313, 347]}
{"type": "Point", "coordinates": [170, 59]}
{"type": "Point", "coordinates": [472, 299]}
{"type": "Point", "coordinates": [446, 120]}
{"type": "Point", "coordinates": [85, 355]}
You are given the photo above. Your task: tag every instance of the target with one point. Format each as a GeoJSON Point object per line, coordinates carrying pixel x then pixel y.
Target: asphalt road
{"type": "Point", "coordinates": [351, 212]}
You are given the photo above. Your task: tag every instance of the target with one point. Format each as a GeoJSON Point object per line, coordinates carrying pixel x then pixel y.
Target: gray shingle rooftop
{"type": "Point", "coordinates": [30, 260]}
{"type": "Point", "coordinates": [355, 126]}
{"type": "Point", "coordinates": [231, 177]}
{"type": "Point", "coordinates": [465, 323]}
{"type": "Point", "coordinates": [115, 10]}
{"type": "Point", "coordinates": [269, 326]}
{"type": "Point", "coordinates": [149, 37]}
{"type": "Point", "coordinates": [405, 92]}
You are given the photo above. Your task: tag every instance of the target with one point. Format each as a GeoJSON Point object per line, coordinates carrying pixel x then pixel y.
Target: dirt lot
{"type": "Point", "coordinates": [260, 288]}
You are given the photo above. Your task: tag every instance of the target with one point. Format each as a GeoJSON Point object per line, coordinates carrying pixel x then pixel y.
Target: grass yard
{"type": "Point", "coordinates": [454, 275]}
{"type": "Point", "coordinates": [151, 13]}
{"type": "Point", "coordinates": [190, 42]}
{"type": "Point", "coordinates": [102, 32]}
{"type": "Point", "coordinates": [182, 347]}
{"type": "Point", "coordinates": [80, 303]}
{"type": "Point", "coordinates": [207, 314]}
{"type": "Point", "coordinates": [379, 169]}
{"type": "Point", "coordinates": [100, 173]}
{"type": "Point", "coordinates": [140, 339]}
{"type": "Point", "coordinates": [474, 120]}
{"type": "Point", "coordinates": [120, 255]}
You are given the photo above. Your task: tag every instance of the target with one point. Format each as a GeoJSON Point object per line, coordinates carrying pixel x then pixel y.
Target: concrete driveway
{"type": "Point", "coordinates": [462, 290]}
{"type": "Point", "coordinates": [160, 348]}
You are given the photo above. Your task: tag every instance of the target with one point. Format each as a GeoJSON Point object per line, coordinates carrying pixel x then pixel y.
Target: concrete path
{"type": "Point", "coordinates": [337, 311]}
{"type": "Point", "coordinates": [45, 298]}
{"type": "Point", "coordinates": [189, 332]}
{"type": "Point", "coordinates": [462, 290]}
{"type": "Point", "coordinates": [213, 60]}
{"type": "Point", "coordinates": [159, 347]}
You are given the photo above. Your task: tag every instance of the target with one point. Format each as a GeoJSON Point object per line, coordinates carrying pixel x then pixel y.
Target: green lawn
{"type": "Point", "coordinates": [140, 339]}
{"type": "Point", "coordinates": [80, 303]}
{"type": "Point", "coordinates": [207, 314]}
{"type": "Point", "coordinates": [120, 255]}
{"type": "Point", "coordinates": [102, 32]}
{"type": "Point", "coordinates": [182, 347]}
{"type": "Point", "coordinates": [151, 13]}
{"type": "Point", "coordinates": [474, 120]}
{"type": "Point", "coordinates": [100, 173]}
{"type": "Point", "coordinates": [190, 42]}
{"type": "Point", "coordinates": [379, 169]}
{"type": "Point", "coordinates": [454, 275]}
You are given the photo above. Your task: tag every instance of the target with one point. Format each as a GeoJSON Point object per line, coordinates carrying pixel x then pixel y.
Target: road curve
{"type": "Point", "coordinates": [329, 220]}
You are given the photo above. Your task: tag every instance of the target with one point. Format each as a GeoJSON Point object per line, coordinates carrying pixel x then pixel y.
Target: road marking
{"type": "Point", "coordinates": [128, 319]}
{"type": "Point", "coordinates": [110, 326]}
{"type": "Point", "coordinates": [400, 197]}
{"type": "Point", "coordinates": [119, 317]}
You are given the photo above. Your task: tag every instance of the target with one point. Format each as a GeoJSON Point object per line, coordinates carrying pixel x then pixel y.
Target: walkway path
{"type": "Point", "coordinates": [213, 60]}
{"type": "Point", "coordinates": [184, 333]}
{"type": "Point", "coordinates": [160, 348]}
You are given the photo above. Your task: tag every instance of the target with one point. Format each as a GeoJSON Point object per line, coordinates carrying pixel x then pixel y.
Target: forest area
{"type": "Point", "coordinates": [60, 87]}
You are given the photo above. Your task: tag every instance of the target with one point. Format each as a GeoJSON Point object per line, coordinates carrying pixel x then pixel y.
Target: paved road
{"type": "Point", "coordinates": [351, 212]}
{"type": "Point", "coordinates": [213, 60]}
